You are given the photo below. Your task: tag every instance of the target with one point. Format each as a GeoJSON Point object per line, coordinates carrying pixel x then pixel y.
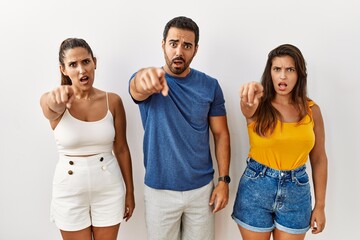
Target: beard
{"type": "Point", "coordinates": [172, 66]}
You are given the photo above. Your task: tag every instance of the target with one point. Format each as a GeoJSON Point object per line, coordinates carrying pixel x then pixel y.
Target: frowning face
{"type": "Point", "coordinates": [80, 67]}
{"type": "Point", "coordinates": [284, 75]}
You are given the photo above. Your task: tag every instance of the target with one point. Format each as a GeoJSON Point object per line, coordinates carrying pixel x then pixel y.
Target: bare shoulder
{"type": "Point", "coordinates": [113, 97]}
{"type": "Point", "coordinates": [115, 103]}
{"type": "Point", "coordinates": [315, 109]}
{"type": "Point", "coordinates": [316, 115]}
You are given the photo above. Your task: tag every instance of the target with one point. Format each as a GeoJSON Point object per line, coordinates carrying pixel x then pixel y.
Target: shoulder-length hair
{"type": "Point", "coordinates": [266, 115]}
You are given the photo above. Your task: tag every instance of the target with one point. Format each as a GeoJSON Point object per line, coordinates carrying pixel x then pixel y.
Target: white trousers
{"type": "Point", "coordinates": [175, 215]}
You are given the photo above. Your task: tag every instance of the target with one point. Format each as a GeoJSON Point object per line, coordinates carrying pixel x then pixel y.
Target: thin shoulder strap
{"type": "Point", "coordinates": [107, 100]}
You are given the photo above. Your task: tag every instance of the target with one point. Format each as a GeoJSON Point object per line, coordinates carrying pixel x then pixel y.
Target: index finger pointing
{"type": "Point", "coordinates": [165, 87]}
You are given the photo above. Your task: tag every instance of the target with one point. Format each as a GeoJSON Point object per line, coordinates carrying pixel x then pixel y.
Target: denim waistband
{"type": "Point", "coordinates": [275, 173]}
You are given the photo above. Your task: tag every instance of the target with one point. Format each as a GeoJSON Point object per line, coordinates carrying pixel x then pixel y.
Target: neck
{"type": "Point", "coordinates": [86, 96]}
{"type": "Point", "coordinates": [283, 100]}
{"type": "Point", "coordinates": [182, 75]}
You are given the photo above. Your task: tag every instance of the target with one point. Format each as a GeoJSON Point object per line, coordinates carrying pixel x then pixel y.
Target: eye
{"type": "Point", "coordinates": [291, 70]}
{"type": "Point", "coordinates": [86, 61]}
{"type": "Point", "coordinates": [72, 64]}
{"type": "Point", "coordinates": [187, 46]}
{"type": "Point", "coordinates": [172, 44]}
{"type": "Point", "coordinates": [276, 69]}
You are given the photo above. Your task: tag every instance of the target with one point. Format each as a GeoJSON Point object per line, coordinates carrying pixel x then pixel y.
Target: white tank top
{"type": "Point", "coordinates": [77, 137]}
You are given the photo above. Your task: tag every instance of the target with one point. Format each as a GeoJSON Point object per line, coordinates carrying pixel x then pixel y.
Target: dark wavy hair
{"type": "Point", "coordinates": [266, 116]}
{"type": "Point", "coordinates": [67, 44]}
{"type": "Point", "coordinates": [182, 23]}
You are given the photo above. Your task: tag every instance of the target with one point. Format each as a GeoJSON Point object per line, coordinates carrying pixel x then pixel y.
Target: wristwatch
{"type": "Point", "coordinates": [225, 179]}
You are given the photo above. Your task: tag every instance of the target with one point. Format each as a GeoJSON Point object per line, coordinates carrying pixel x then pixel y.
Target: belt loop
{"type": "Point", "coordinates": [263, 171]}
{"type": "Point", "coordinates": [292, 175]}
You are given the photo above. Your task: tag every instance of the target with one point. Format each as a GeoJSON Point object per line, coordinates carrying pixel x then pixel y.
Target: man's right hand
{"type": "Point", "coordinates": [148, 81]}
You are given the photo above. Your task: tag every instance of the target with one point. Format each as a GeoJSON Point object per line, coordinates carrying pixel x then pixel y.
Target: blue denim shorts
{"type": "Point", "coordinates": [268, 198]}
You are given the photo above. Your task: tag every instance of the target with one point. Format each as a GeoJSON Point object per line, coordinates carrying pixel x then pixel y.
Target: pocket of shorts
{"type": "Point", "coordinates": [250, 173]}
{"type": "Point", "coordinates": [114, 172]}
{"type": "Point", "coordinates": [302, 179]}
{"type": "Point", "coordinates": [61, 176]}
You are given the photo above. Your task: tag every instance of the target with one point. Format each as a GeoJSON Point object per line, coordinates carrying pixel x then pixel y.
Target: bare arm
{"type": "Point", "coordinates": [122, 152]}
{"type": "Point", "coordinates": [250, 95]}
{"type": "Point", "coordinates": [318, 160]}
{"type": "Point", "coordinates": [148, 81]}
{"type": "Point", "coordinates": [219, 128]}
{"type": "Point", "coordinates": [55, 102]}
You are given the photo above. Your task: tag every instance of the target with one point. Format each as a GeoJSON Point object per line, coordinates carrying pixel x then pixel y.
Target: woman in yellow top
{"type": "Point", "coordinates": [285, 129]}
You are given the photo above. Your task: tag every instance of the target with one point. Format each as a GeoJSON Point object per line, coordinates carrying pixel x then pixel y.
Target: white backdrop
{"type": "Point", "coordinates": [235, 37]}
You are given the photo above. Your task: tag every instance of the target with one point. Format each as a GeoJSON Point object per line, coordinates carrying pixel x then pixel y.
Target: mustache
{"type": "Point", "coordinates": [178, 58]}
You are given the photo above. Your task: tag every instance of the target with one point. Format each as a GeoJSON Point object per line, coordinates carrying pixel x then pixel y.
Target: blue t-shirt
{"type": "Point", "coordinates": [176, 132]}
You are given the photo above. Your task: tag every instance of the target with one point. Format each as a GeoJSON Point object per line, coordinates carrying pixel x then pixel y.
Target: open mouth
{"type": "Point", "coordinates": [178, 61]}
{"type": "Point", "coordinates": [84, 79]}
{"type": "Point", "coordinates": [282, 86]}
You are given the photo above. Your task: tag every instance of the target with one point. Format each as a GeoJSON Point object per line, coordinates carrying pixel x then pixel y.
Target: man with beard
{"type": "Point", "coordinates": [178, 106]}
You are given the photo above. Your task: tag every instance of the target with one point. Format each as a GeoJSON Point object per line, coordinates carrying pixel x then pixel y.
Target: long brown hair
{"type": "Point", "coordinates": [67, 44]}
{"type": "Point", "coordinates": [266, 115]}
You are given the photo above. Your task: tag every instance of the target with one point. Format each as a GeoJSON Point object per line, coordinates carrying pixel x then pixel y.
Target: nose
{"type": "Point", "coordinates": [178, 51]}
{"type": "Point", "coordinates": [82, 68]}
{"type": "Point", "coordinates": [283, 74]}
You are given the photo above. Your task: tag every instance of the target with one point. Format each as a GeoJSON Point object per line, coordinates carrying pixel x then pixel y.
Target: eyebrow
{"type": "Point", "coordinates": [81, 60]}
{"type": "Point", "coordinates": [177, 41]}
{"type": "Point", "coordinates": [274, 66]}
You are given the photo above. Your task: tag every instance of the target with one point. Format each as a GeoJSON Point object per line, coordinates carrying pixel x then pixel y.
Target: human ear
{"type": "Point", "coordinates": [62, 70]}
{"type": "Point", "coordinates": [196, 49]}
{"type": "Point", "coordinates": [95, 61]}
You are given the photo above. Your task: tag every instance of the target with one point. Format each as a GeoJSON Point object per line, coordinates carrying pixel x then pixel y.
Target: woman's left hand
{"type": "Point", "coordinates": [129, 206]}
{"type": "Point", "coordinates": [318, 220]}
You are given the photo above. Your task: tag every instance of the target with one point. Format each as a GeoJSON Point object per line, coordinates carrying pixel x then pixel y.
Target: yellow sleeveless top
{"type": "Point", "coordinates": [287, 148]}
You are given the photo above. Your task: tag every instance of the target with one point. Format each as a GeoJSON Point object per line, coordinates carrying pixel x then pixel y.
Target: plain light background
{"type": "Point", "coordinates": [235, 38]}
